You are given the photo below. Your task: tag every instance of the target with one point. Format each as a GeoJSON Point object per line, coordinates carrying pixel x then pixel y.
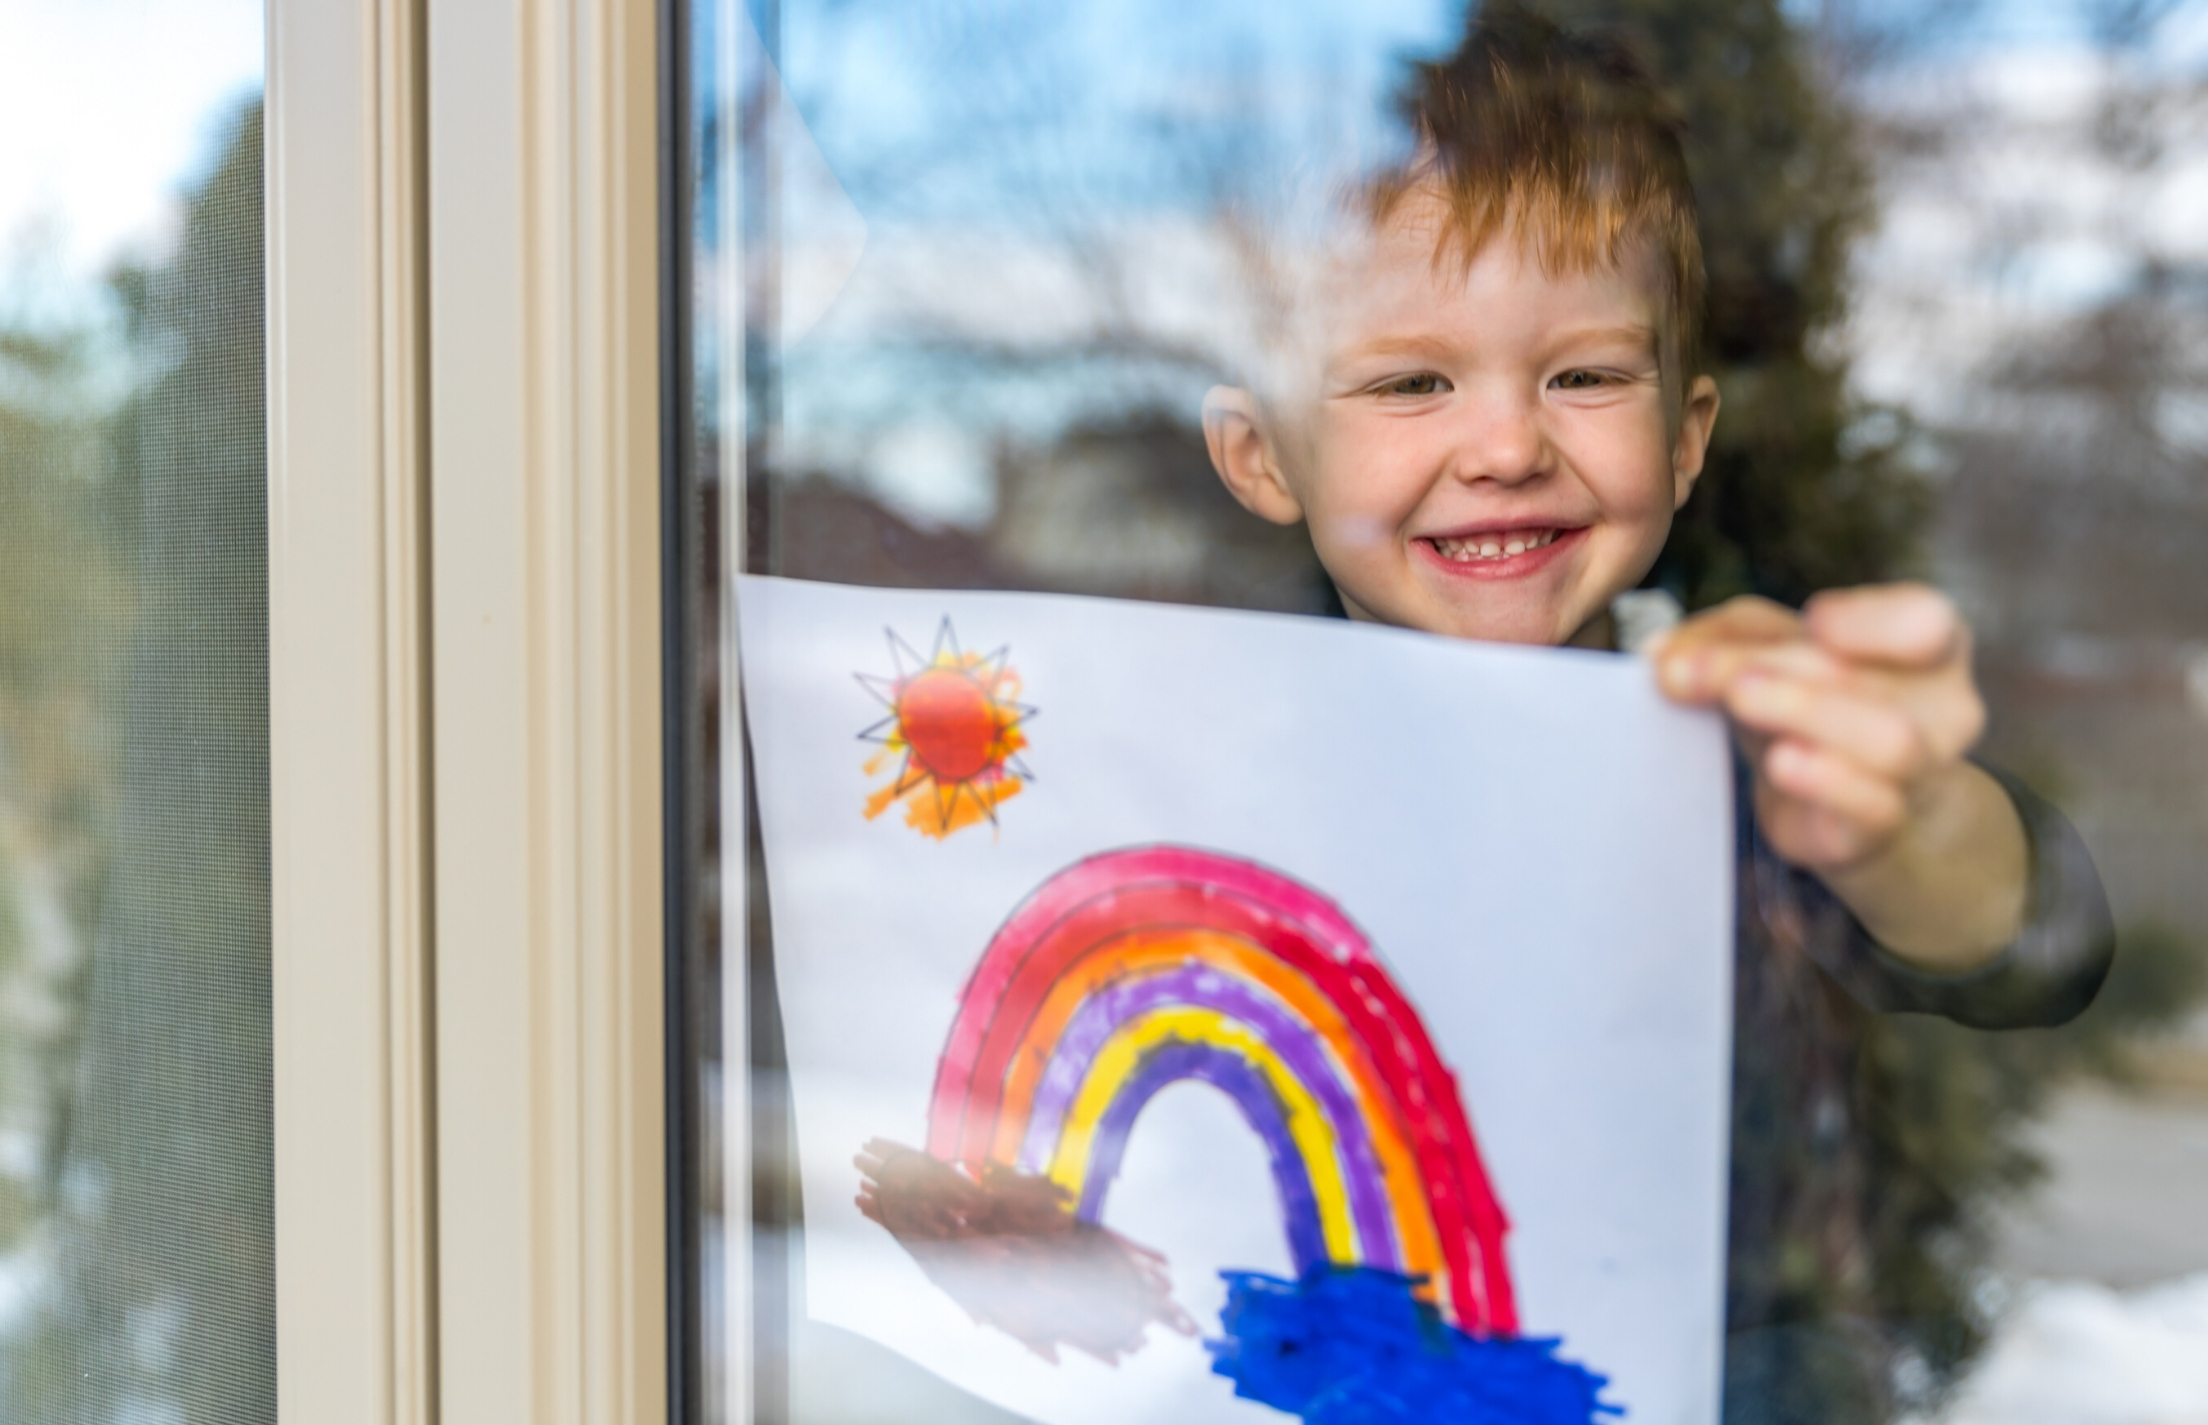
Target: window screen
{"type": "Point", "coordinates": [136, 1246]}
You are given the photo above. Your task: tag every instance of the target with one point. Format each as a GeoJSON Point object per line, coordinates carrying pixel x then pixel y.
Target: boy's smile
{"type": "Point", "coordinates": [1495, 451]}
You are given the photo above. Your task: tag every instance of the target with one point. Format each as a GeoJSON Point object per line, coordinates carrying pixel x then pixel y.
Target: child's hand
{"type": "Point", "coordinates": [1856, 715]}
{"type": "Point", "coordinates": [1852, 711]}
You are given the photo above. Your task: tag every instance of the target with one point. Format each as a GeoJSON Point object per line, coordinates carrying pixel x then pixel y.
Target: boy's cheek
{"type": "Point", "coordinates": [1352, 505]}
{"type": "Point", "coordinates": [1350, 531]}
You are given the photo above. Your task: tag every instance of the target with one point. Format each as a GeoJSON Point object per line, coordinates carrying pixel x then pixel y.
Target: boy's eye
{"type": "Point", "coordinates": [1578, 380]}
{"type": "Point", "coordinates": [1425, 383]}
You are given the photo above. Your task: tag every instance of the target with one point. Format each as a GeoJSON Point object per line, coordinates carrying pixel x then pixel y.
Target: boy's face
{"type": "Point", "coordinates": [1492, 453]}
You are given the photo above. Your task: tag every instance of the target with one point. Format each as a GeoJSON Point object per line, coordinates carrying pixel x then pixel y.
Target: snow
{"type": "Point", "coordinates": [2078, 1353]}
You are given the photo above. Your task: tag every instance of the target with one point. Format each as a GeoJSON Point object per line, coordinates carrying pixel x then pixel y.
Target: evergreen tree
{"type": "Point", "coordinates": [1806, 488]}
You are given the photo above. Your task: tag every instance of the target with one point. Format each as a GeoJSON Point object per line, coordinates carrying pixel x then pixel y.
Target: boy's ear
{"type": "Point", "coordinates": [1692, 445]}
{"type": "Point", "coordinates": [1244, 457]}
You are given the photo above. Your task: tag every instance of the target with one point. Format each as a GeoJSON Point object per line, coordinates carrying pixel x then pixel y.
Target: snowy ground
{"type": "Point", "coordinates": [2079, 1353]}
{"type": "Point", "coordinates": [2126, 1202]}
{"type": "Point", "coordinates": [2110, 1326]}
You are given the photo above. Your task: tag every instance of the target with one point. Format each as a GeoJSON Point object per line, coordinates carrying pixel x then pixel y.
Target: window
{"type": "Point", "coordinates": [958, 281]}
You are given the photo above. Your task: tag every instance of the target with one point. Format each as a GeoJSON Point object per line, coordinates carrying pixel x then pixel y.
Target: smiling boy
{"type": "Point", "coordinates": [1507, 415]}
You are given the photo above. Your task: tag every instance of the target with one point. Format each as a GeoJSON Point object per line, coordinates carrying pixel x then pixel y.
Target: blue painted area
{"type": "Point", "coordinates": [1353, 1346]}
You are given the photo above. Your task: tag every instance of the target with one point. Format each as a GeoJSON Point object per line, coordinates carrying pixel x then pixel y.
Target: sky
{"type": "Point", "coordinates": [108, 109]}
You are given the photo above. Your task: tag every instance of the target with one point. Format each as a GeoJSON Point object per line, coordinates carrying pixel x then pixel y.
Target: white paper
{"type": "Point", "coordinates": [1537, 846]}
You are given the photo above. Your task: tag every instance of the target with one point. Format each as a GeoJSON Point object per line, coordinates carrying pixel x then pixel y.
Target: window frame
{"type": "Point", "coordinates": [465, 704]}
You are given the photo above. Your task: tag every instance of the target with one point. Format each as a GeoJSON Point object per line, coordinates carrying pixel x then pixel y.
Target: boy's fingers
{"type": "Point", "coordinates": [1696, 660]}
{"type": "Point", "coordinates": [1900, 625]}
{"type": "Point", "coordinates": [1895, 721]}
{"type": "Point", "coordinates": [1872, 807]}
{"type": "Point", "coordinates": [1800, 660]}
{"type": "Point", "coordinates": [1746, 619]}
{"type": "Point", "coordinates": [1874, 733]}
{"type": "Point", "coordinates": [1708, 672]}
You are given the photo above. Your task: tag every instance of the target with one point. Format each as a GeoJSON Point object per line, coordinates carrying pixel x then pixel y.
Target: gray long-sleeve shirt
{"type": "Point", "coordinates": [1810, 1189]}
{"type": "Point", "coordinates": [2046, 977]}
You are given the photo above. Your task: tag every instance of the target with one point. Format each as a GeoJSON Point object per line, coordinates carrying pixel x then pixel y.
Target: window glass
{"type": "Point", "coordinates": [136, 1244]}
{"type": "Point", "coordinates": [962, 276]}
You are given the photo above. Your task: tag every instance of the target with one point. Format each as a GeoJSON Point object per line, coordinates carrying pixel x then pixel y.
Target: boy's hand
{"type": "Point", "coordinates": [1856, 715]}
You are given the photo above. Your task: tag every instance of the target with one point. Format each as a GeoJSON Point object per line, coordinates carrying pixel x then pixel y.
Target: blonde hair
{"type": "Point", "coordinates": [1563, 141]}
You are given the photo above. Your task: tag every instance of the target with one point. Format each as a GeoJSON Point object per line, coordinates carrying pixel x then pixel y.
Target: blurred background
{"type": "Point", "coordinates": [964, 270]}
{"type": "Point", "coordinates": [135, 1200]}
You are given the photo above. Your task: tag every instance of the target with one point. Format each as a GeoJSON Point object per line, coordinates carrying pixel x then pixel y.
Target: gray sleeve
{"type": "Point", "coordinates": [2047, 976]}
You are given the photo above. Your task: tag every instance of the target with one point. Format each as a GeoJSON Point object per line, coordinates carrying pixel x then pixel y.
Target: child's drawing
{"type": "Point", "coordinates": [1133, 971]}
{"type": "Point", "coordinates": [953, 731]}
{"type": "Point", "coordinates": [1343, 1038]}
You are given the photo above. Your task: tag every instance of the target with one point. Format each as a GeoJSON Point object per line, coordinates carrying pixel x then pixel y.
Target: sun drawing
{"type": "Point", "coordinates": [953, 731]}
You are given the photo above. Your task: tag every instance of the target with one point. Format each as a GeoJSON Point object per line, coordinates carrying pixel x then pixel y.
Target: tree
{"type": "Point", "coordinates": [1806, 488]}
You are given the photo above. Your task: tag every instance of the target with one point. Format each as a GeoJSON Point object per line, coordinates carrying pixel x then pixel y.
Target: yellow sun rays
{"type": "Point", "coordinates": [953, 731]}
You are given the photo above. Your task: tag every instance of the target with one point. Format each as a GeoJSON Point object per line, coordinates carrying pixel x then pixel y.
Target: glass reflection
{"type": "Point", "coordinates": [967, 271]}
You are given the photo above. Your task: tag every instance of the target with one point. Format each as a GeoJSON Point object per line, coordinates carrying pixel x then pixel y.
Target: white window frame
{"type": "Point", "coordinates": [463, 320]}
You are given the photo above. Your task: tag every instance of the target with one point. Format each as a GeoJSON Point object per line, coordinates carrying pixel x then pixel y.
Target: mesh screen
{"type": "Point", "coordinates": [136, 1232]}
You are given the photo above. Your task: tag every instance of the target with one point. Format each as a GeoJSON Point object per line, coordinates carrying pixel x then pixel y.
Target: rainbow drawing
{"type": "Point", "coordinates": [1141, 968]}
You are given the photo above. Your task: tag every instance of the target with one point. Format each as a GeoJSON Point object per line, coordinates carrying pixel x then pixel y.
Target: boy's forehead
{"type": "Point", "coordinates": [1402, 277]}
{"type": "Point", "coordinates": [1405, 284]}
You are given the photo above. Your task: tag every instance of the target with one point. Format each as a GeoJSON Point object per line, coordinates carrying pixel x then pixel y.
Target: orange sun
{"type": "Point", "coordinates": [954, 723]}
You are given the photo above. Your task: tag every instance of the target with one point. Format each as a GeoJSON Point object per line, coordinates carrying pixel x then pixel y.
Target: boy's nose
{"type": "Point", "coordinates": [1501, 441]}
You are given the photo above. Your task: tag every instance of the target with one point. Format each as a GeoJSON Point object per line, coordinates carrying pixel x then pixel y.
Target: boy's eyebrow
{"type": "Point", "coordinates": [1634, 334]}
{"type": "Point", "coordinates": [1631, 334]}
{"type": "Point", "coordinates": [1405, 345]}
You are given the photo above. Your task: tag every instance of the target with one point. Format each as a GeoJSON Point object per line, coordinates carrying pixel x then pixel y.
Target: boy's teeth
{"type": "Point", "coordinates": [1464, 551]}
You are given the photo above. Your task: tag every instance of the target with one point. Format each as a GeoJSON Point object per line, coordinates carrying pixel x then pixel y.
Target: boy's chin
{"type": "Point", "coordinates": [1533, 634]}
{"type": "Point", "coordinates": [1531, 622]}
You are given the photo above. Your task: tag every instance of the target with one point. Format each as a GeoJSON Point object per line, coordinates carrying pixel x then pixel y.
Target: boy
{"type": "Point", "coordinates": [1507, 416]}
